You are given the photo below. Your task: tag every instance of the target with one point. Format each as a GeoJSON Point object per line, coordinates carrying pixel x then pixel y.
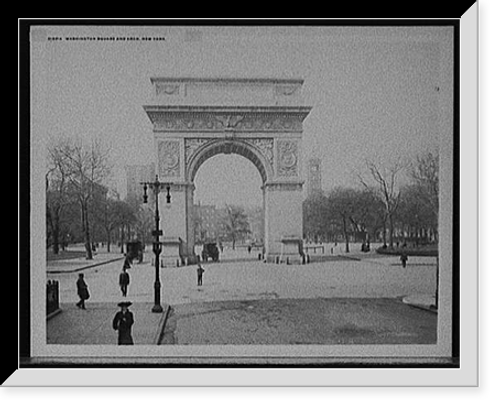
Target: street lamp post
{"type": "Point", "coordinates": [156, 187]}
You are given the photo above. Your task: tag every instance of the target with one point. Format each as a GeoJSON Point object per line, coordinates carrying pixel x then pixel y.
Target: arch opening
{"type": "Point", "coordinates": [229, 147]}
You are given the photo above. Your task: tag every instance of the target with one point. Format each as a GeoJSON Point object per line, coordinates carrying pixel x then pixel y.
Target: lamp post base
{"type": "Point", "coordinates": [157, 308]}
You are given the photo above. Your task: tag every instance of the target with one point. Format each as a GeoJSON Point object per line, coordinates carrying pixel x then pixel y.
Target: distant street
{"type": "Point", "coordinates": [254, 280]}
{"type": "Point", "coordinates": [242, 300]}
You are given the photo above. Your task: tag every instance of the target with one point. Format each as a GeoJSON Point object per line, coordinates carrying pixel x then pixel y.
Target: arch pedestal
{"type": "Point", "coordinates": [260, 119]}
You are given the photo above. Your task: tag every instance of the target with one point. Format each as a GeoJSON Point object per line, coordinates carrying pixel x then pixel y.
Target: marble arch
{"type": "Point", "coordinates": [261, 119]}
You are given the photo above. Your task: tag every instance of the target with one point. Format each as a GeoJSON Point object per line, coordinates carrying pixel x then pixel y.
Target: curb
{"type": "Point", "coordinates": [421, 306]}
{"type": "Point", "coordinates": [85, 267]}
{"type": "Point", "coordinates": [424, 307]}
{"type": "Point", "coordinates": [53, 314]}
{"type": "Point", "coordinates": [161, 327]}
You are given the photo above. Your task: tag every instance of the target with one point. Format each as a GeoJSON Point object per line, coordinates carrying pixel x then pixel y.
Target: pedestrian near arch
{"type": "Point", "coordinates": [200, 270]}
{"type": "Point", "coordinates": [404, 259]}
{"type": "Point", "coordinates": [122, 322]}
{"type": "Point", "coordinates": [124, 281]}
{"type": "Point", "coordinates": [82, 291]}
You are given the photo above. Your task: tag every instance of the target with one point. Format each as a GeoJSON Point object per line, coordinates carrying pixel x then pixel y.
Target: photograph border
{"type": "Point", "coordinates": [27, 361]}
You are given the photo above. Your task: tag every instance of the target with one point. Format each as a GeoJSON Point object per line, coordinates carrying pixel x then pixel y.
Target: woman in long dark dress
{"type": "Point", "coordinates": [122, 322]}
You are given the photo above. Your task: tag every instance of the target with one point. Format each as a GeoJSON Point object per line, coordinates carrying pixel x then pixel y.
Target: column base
{"type": "Point", "coordinates": [171, 253]}
{"type": "Point", "coordinates": [291, 250]}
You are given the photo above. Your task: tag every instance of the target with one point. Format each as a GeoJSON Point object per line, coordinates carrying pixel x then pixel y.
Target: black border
{"type": "Point", "coordinates": [24, 192]}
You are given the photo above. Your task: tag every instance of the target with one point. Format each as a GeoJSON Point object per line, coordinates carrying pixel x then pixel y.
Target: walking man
{"type": "Point", "coordinates": [124, 281]}
{"type": "Point", "coordinates": [404, 259]}
{"type": "Point", "coordinates": [200, 272]}
{"type": "Point", "coordinates": [82, 291]}
{"type": "Point", "coordinates": [126, 263]}
{"type": "Point", "coordinates": [122, 322]}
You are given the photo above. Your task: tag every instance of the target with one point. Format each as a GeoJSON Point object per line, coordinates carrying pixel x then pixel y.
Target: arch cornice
{"type": "Point", "coordinates": [181, 118]}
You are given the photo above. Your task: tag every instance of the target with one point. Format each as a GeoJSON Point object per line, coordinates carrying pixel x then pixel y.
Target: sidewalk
{"type": "Point", "coordinates": [423, 301]}
{"type": "Point", "coordinates": [320, 321]}
{"type": "Point", "coordinates": [81, 263]}
{"type": "Point", "coordinates": [93, 326]}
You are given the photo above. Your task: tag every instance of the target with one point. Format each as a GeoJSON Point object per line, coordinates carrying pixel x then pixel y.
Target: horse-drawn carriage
{"type": "Point", "coordinates": [135, 251]}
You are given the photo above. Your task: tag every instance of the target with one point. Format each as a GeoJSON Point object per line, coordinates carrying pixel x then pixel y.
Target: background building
{"type": "Point", "coordinates": [207, 222]}
{"type": "Point", "coordinates": [135, 175]}
{"type": "Point", "coordinates": [313, 176]}
{"type": "Point", "coordinates": [256, 223]}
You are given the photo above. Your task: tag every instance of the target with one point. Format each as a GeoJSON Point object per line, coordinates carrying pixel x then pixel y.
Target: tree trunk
{"type": "Point", "coordinates": [55, 234]}
{"type": "Point", "coordinates": [391, 231]}
{"type": "Point", "coordinates": [384, 233]}
{"type": "Point", "coordinates": [346, 235]}
{"type": "Point", "coordinates": [88, 245]}
{"type": "Point", "coordinates": [108, 237]}
{"type": "Point", "coordinates": [122, 234]}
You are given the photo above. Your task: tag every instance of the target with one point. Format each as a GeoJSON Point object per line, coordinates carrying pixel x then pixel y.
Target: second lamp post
{"type": "Point", "coordinates": [156, 187]}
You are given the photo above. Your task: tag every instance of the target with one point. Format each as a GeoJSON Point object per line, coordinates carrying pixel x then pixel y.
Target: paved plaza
{"type": "Point", "coordinates": [252, 279]}
{"type": "Point", "coordinates": [339, 300]}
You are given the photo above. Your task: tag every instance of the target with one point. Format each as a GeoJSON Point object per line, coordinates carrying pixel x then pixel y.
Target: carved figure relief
{"type": "Point", "coordinates": [192, 145]}
{"type": "Point", "coordinates": [210, 122]}
{"type": "Point", "coordinates": [265, 146]}
{"type": "Point", "coordinates": [229, 121]}
{"type": "Point", "coordinates": [287, 158]}
{"type": "Point", "coordinates": [169, 158]}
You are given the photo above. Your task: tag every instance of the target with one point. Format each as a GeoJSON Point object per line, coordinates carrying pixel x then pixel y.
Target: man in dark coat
{"type": "Point", "coordinates": [122, 322]}
{"type": "Point", "coordinates": [124, 281]}
{"type": "Point", "coordinates": [82, 291]}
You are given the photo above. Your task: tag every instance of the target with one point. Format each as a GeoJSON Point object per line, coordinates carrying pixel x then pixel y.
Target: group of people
{"type": "Point", "coordinates": [123, 319]}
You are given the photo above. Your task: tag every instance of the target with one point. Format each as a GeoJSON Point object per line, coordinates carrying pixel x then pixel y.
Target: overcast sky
{"type": "Point", "coordinates": [374, 92]}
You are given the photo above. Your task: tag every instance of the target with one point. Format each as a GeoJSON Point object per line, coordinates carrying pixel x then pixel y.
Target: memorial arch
{"type": "Point", "coordinates": [260, 119]}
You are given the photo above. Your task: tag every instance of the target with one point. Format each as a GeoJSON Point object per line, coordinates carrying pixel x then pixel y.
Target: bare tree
{"type": "Point", "coordinates": [235, 223]}
{"type": "Point", "coordinates": [342, 203]}
{"type": "Point", "coordinates": [56, 189]}
{"type": "Point", "coordinates": [387, 189]}
{"type": "Point", "coordinates": [316, 218]}
{"type": "Point", "coordinates": [85, 167]}
{"type": "Point", "coordinates": [145, 223]}
{"type": "Point", "coordinates": [425, 173]}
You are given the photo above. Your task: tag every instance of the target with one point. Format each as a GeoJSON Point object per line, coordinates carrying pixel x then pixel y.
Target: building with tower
{"type": "Point", "coordinates": [313, 176]}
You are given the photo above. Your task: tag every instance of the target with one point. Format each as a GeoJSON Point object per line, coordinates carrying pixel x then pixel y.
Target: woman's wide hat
{"type": "Point", "coordinates": [124, 304]}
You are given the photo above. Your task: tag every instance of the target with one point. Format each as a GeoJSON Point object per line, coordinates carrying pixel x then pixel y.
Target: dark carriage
{"type": "Point", "coordinates": [135, 251]}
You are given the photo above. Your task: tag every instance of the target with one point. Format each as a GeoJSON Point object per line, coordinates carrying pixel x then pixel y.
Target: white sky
{"type": "Point", "coordinates": [374, 92]}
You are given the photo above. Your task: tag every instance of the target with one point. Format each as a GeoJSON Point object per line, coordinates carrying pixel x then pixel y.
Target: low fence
{"type": "Point", "coordinates": [314, 248]}
{"type": "Point", "coordinates": [52, 296]}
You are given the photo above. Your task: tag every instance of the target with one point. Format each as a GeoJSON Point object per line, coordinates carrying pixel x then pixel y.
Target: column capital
{"type": "Point", "coordinates": [283, 186]}
{"type": "Point", "coordinates": [181, 186]}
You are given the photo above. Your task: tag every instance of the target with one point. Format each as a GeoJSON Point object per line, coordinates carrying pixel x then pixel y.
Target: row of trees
{"type": "Point", "coordinates": [79, 208]}
{"type": "Point", "coordinates": [381, 206]}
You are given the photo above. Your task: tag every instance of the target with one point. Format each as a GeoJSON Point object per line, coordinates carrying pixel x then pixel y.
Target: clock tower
{"type": "Point", "coordinates": [313, 176]}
